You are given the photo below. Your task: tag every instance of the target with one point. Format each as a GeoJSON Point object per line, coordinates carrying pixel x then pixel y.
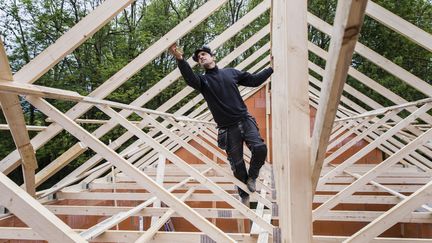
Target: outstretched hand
{"type": "Point", "coordinates": [178, 54]}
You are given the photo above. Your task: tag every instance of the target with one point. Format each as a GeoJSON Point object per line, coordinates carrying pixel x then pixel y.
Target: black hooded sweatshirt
{"type": "Point", "coordinates": [219, 88]}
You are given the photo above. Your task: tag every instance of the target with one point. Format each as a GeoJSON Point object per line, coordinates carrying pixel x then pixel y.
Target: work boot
{"type": "Point", "coordinates": [251, 184]}
{"type": "Point", "coordinates": [245, 201]}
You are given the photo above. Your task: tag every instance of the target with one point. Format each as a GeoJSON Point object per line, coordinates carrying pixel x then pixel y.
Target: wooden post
{"type": "Point", "coordinates": [290, 120]}
{"type": "Point", "coordinates": [11, 107]}
{"type": "Point", "coordinates": [159, 180]}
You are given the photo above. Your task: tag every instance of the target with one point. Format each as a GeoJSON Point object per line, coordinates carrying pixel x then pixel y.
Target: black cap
{"type": "Point", "coordinates": [204, 48]}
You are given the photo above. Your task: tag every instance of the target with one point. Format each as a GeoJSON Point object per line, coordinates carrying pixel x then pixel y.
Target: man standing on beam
{"type": "Point", "coordinates": [236, 126]}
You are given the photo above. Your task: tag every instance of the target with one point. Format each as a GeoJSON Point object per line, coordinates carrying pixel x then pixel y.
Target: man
{"type": "Point", "coordinates": [235, 124]}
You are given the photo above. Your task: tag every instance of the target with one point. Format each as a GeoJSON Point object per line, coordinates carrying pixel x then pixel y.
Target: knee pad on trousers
{"type": "Point", "coordinates": [259, 153]}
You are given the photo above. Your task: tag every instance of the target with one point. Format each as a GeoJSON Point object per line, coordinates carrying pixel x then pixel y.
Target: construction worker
{"type": "Point", "coordinates": [235, 125]}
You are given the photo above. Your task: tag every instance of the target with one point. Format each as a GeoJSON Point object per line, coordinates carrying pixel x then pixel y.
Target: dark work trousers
{"type": "Point", "coordinates": [233, 137]}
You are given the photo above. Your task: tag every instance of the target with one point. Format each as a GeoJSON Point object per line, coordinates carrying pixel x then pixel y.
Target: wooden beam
{"type": "Point", "coordinates": [290, 109]}
{"type": "Point", "coordinates": [185, 166]}
{"type": "Point", "coordinates": [173, 76]}
{"type": "Point", "coordinates": [30, 89]}
{"type": "Point", "coordinates": [160, 180]}
{"type": "Point", "coordinates": [392, 216]}
{"type": "Point", "coordinates": [371, 128]}
{"type": "Point", "coordinates": [334, 215]}
{"type": "Point", "coordinates": [348, 22]}
{"type": "Point", "coordinates": [211, 163]}
{"type": "Point", "coordinates": [117, 218]}
{"type": "Point", "coordinates": [375, 143]}
{"type": "Point", "coordinates": [74, 37]}
{"type": "Point", "coordinates": [332, 202]}
{"type": "Point", "coordinates": [29, 128]}
{"type": "Point", "coordinates": [399, 25]}
{"type": "Point", "coordinates": [32, 213]}
{"type": "Point", "coordinates": [127, 236]}
{"type": "Point", "coordinates": [339, 239]}
{"type": "Point", "coordinates": [10, 162]}
{"type": "Point", "coordinates": [57, 164]}
{"type": "Point", "coordinates": [122, 164]}
{"type": "Point", "coordinates": [155, 226]}
{"type": "Point", "coordinates": [379, 60]}
{"type": "Point", "coordinates": [394, 145]}
{"type": "Point", "coordinates": [11, 107]}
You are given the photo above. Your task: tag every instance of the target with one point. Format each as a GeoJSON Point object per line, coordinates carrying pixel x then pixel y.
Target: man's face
{"type": "Point", "coordinates": [205, 60]}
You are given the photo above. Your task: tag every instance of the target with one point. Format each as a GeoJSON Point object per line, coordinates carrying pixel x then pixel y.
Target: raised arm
{"type": "Point", "coordinates": [190, 77]}
{"type": "Point", "coordinates": [254, 80]}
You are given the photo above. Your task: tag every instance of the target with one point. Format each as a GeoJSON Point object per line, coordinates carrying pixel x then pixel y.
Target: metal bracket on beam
{"type": "Point", "coordinates": [3, 210]}
{"type": "Point", "coordinates": [277, 235]}
{"type": "Point", "coordinates": [52, 196]}
{"type": "Point", "coordinates": [275, 210]}
{"type": "Point", "coordinates": [206, 239]}
{"type": "Point", "coordinates": [85, 185]}
{"type": "Point", "coordinates": [273, 192]}
{"type": "Point", "coordinates": [224, 213]}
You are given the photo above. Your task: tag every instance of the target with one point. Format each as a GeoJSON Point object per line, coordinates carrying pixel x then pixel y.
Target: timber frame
{"type": "Point", "coordinates": [301, 183]}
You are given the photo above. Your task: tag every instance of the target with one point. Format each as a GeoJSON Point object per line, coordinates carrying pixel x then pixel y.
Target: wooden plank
{"type": "Point", "coordinates": [173, 76]}
{"type": "Point", "coordinates": [117, 218]}
{"type": "Point", "coordinates": [326, 188]}
{"type": "Point", "coordinates": [399, 25]}
{"type": "Point", "coordinates": [127, 236]}
{"type": "Point", "coordinates": [146, 237]}
{"type": "Point", "coordinates": [11, 107]}
{"type": "Point", "coordinates": [385, 188]}
{"type": "Point", "coordinates": [359, 137]}
{"type": "Point", "coordinates": [379, 60]}
{"type": "Point", "coordinates": [10, 162]}
{"type": "Point", "coordinates": [58, 164]}
{"type": "Point", "coordinates": [372, 173]}
{"type": "Point", "coordinates": [263, 237]}
{"type": "Point", "coordinates": [211, 163]}
{"type": "Point", "coordinates": [334, 215]}
{"type": "Point", "coordinates": [384, 110]}
{"type": "Point", "coordinates": [290, 108]}
{"type": "Point", "coordinates": [160, 180]}
{"type": "Point", "coordinates": [370, 83]}
{"type": "Point", "coordinates": [37, 90]}
{"type": "Point", "coordinates": [206, 197]}
{"type": "Point", "coordinates": [32, 213]}
{"type": "Point", "coordinates": [122, 164]}
{"type": "Point", "coordinates": [186, 167]}
{"type": "Point", "coordinates": [29, 128]}
{"type": "Point", "coordinates": [339, 239]}
{"type": "Point", "coordinates": [348, 23]}
{"type": "Point", "coordinates": [165, 106]}
{"type": "Point", "coordinates": [368, 148]}
{"type": "Point", "coordinates": [365, 124]}
{"type": "Point", "coordinates": [392, 216]}
{"type": "Point", "coordinates": [70, 40]}
{"type": "Point", "coordinates": [255, 229]}
{"type": "Point", "coordinates": [363, 78]}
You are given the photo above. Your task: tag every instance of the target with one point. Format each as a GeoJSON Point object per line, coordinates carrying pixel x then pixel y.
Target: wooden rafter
{"type": "Point", "coordinates": [348, 22]}
{"type": "Point", "coordinates": [383, 128]}
{"type": "Point", "coordinates": [11, 107]}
